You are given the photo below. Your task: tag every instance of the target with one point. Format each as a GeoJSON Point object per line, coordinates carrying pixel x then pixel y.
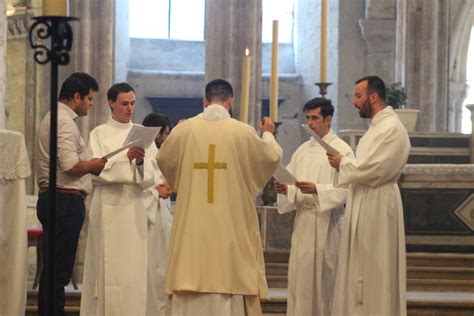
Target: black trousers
{"type": "Point", "coordinates": [70, 212]}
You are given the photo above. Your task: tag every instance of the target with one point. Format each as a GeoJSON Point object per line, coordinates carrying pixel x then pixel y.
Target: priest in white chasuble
{"type": "Point", "coordinates": [371, 277]}
{"type": "Point", "coordinates": [217, 165]}
{"type": "Point", "coordinates": [115, 272]}
{"type": "Point", "coordinates": [319, 216]}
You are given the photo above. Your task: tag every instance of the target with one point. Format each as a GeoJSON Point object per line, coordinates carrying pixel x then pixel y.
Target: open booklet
{"type": "Point", "coordinates": [138, 136]}
{"type": "Point", "coordinates": [316, 137]}
{"type": "Point", "coordinates": [284, 176]}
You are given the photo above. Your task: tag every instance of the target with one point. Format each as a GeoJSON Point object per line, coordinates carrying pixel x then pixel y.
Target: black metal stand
{"type": "Point", "coordinates": [323, 88]}
{"type": "Point", "coordinates": [57, 29]}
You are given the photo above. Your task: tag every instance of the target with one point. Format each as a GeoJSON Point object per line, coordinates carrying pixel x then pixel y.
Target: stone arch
{"type": "Point", "coordinates": [460, 35]}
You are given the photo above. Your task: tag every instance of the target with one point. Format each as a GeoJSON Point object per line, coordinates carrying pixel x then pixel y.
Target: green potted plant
{"type": "Point", "coordinates": [396, 97]}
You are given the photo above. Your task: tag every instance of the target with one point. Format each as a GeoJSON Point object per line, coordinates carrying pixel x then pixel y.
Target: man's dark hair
{"type": "Point", "coordinates": [323, 103]}
{"type": "Point", "coordinates": [218, 90]}
{"type": "Point", "coordinates": [117, 88]}
{"type": "Point", "coordinates": [374, 84]}
{"type": "Point", "coordinates": [157, 120]}
{"type": "Point", "coordinates": [77, 82]}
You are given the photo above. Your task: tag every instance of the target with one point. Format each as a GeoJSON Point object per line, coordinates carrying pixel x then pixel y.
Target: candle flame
{"type": "Point", "coordinates": [10, 10]}
{"type": "Point", "coordinates": [247, 52]}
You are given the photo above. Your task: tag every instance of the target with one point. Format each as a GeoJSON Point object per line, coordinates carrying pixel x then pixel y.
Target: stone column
{"type": "Point", "coordinates": [21, 113]}
{"type": "Point", "coordinates": [93, 52]}
{"type": "Point", "coordinates": [471, 108]}
{"type": "Point", "coordinates": [457, 94]}
{"type": "Point", "coordinates": [423, 58]}
{"type": "Point", "coordinates": [3, 51]}
{"type": "Point", "coordinates": [231, 27]}
{"type": "Point", "coordinates": [461, 21]}
{"type": "Point", "coordinates": [378, 31]}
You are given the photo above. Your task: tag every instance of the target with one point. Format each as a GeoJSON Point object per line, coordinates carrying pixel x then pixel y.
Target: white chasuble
{"type": "Point", "coordinates": [217, 165]}
{"type": "Point", "coordinates": [371, 278]}
{"type": "Point", "coordinates": [115, 272]}
{"type": "Point", "coordinates": [316, 230]}
{"type": "Point", "coordinates": [14, 168]}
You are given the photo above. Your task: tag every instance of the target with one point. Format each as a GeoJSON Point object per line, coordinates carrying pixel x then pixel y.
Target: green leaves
{"type": "Point", "coordinates": [396, 95]}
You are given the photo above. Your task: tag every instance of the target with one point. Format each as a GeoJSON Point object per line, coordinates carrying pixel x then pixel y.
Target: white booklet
{"type": "Point", "coordinates": [118, 150]}
{"type": "Point", "coordinates": [316, 137]}
{"type": "Point", "coordinates": [144, 135]}
{"type": "Point", "coordinates": [284, 176]}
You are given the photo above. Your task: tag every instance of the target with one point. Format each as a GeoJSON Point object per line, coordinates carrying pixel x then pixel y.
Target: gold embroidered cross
{"type": "Point", "coordinates": [210, 165]}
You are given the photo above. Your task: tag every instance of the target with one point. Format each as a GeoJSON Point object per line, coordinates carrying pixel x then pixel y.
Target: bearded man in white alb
{"type": "Point", "coordinates": [115, 272]}
{"type": "Point", "coordinates": [217, 165]}
{"type": "Point", "coordinates": [371, 277]}
{"type": "Point", "coordinates": [319, 213]}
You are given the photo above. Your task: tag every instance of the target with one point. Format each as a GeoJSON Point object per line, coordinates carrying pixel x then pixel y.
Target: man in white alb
{"type": "Point", "coordinates": [319, 213]}
{"type": "Point", "coordinates": [115, 272]}
{"type": "Point", "coordinates": [371, 278]}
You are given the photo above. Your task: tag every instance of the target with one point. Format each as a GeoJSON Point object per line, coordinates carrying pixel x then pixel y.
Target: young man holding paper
{"type": "Point", "coordinates": [115, 275]}
{"type": "Point", "coordinates": [319, 210]}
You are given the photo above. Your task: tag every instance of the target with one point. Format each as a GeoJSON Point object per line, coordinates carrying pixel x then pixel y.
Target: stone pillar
{"type": "Point", "coordinates": [457, 94]}
{"type": "Point", "coordinates": [21, 113]}
{"type": "Point", "coordinates": [93, 52]}
{"type": "Point", "coordinates": [3, 51]}
{"type": "Point", "coordinates": [231, 27]}
{"type": "Point", "coordinates": [122, 41]}
{"type": "Point", "coordinates": [423, 58]}
{"type": "Point", "coordinates": [471, 108]}
{"type": "Point", "coordinates": [461, 21]}
{"type": "Point", "coordinates": [378, 31]}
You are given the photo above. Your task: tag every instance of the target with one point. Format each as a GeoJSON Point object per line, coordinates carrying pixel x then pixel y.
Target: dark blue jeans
{"type": "Point", "coordinates": [70, 212]}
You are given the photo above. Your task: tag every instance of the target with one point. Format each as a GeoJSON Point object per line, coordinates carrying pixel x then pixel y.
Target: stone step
{"type": "Point", "coordinates": [276, 256]}
{"type": "Point", "coordinates": [277, 281]}
{"type": "Point", "coordinates": [413, 258]}
{"type": "Point", "coordinates": [440, 259]}
{"type": "Point", "coordinates": [440, 285]}
{"type": "Point", "coordinates": [278, 268]}
{"type": "Point", "coordinates": [419, 303]}
{"type": "Point", "coordinates": [72, 303]}
{"type": "Point", "coordinates": [443, 273]}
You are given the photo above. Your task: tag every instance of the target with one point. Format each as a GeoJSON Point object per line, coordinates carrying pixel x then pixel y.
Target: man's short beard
{"type": "Point", "coordinates": [367, 113]}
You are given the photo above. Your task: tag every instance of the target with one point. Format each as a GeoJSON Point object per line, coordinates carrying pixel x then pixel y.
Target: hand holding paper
{"type": "Point", "coordinates": [144, 135]}
{"type": "Point", "coordinates": [113, 153]}
{"type": "Point", "coordinates": [284, 176]}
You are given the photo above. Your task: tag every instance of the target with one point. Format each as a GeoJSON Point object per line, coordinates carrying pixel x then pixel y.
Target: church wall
{"type": "Point", "coordinates": [166, 84]}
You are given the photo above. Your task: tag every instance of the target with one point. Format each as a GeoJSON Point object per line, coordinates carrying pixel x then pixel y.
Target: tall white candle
{"type": "Point", "coordinates": [56, 7]}
{"type": "Point", "coordinates": [324, 40]}
{"type": "Point", "coordinates": [274, 75]}
{"type": "Point", "coordinates": [244, 95]}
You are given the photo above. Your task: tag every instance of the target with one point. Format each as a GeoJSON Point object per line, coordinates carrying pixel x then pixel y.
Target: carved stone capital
{"type": "Point", "coordinates": [19, 25]}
